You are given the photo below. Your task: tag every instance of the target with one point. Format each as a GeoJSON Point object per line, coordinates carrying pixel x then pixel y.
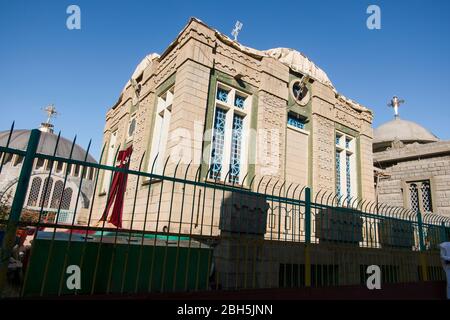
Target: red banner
{"type": "Point", "coordinates": [118, 188]}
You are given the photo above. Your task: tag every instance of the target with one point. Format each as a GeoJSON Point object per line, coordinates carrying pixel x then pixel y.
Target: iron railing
{"type": "Point", "coordinates": [185, 232]}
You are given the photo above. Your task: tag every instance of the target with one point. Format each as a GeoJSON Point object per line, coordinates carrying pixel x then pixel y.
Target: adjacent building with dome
{"type": "Point", "coordinates": [51, 191]}
{"type": "Point", "coordinates": [235, 112]}
{"type": "Point", "coordinates": [412, 167]}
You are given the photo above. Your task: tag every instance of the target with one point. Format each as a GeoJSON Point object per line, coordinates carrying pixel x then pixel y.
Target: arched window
{"type": "Point", "coordinates": [66, 199]}
{"type": "Point", "coordinates": [426, 197]}
{"type": "Point", "coordinates": [57, 193]}
{"type": "Point", "coordinates": [420, 196]}
{"type": "Point", "coordinates": [414, 197]}
{"type": "Point", "coordinates": [47, 188]}
{"type": "Point", "coordinates": [34, 192]}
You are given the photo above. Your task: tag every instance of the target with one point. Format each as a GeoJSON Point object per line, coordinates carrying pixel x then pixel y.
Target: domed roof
{"type": "Point", "coordinates": [404, 131]}
{"type": "Point", "coordinates": [298, 62]}
{"type": "Point", "coordinates": [47, 143]}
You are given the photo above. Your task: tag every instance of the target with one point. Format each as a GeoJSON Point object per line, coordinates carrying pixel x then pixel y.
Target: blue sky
{"type": "Point", "coordinates": [83, 71]}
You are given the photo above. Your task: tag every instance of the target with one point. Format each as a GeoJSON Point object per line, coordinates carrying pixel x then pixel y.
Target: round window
{"type": "Point", "coordinates": [300, 92]}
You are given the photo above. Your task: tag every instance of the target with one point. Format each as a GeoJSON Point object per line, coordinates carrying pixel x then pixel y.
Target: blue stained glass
{"type": "Point", "coordinates": [222, 95]}
{"type": "Point", "coordinates": [239, 101]}
{"type": "Point", "coordinates": [347, 170]}
{"type": "Point", "coordinates": [338, 174]}
{"type": "Point", "coordinates": [296, 122]}
{"type": "Point", "coordinates": [338, 140]}
{"type": "Point", "coordinates": [347, 143]}
{"type": "Point", "coordinates": [217, 144]}
{"type": "Point", "coordinates": [236, 146]}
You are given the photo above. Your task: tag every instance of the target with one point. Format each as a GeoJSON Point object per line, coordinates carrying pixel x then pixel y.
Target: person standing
{"type": "Point", "coordinates": [445, 258]}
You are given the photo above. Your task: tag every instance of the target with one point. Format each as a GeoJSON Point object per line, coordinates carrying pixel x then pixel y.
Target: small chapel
{"type": "Point", "coordinates": [412, 166]}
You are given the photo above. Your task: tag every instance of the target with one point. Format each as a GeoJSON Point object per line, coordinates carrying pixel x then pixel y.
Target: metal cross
{"type": "Point", "coordinates": [395, 103]}
{"type": "Point", "coordinates": [237, 28]}
{"type": "Point", "coordinates": [51, 112]}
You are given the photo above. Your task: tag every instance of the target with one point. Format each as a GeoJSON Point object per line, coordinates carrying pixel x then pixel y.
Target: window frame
{"type": "Point", "coordinates": [161, 130]}
{"type": "Point", "coordinates": [230, 109]}
{"type": "Point", "coordinates": [419, 182]}
{"type": "Point", "coordinates": [346, 145]}
{"type": "Point", "coordinates": [110, 161]}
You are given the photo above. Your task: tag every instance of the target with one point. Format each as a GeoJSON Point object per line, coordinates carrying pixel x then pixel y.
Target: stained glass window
{"type": "Point", "coordinates": [66, 199]}
{"type": "Point", "coordinates": [426, 197]}
{"type": "Point", "coordinates": [338, 140]}
{"type": "Point", "coordinates": [34, 192]}
{"type": "Point", "coordinates": [239, 101]}
{"type": "Point", "coordinates": [235, 162]}
{"type": "Point", "coordinates": [414, 197]}
{"type": "Point", "coordinates": [218, 144]}
{"type": "Point", "coordinates": [348, 177]}
{"type": "Point", "coordinates": [338, 173]}
{"type": "Point", "coordinates": [48, 184]}
{"type": "Point", "coordinates": [222, 95]}
{"type": "Point", "coordinates": [228, 126]}
{"type": "Point", "coordinates": [347, 143]}
{"type": "Point", "coordinates": [57, 193]}
{"type": "Point", "coordinates": [295, 121]}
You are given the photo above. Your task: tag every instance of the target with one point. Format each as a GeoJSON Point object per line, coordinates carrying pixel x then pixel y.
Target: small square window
{"type": "Point", "coordinates": [295, 120]}
{"type": "Point", "coordinates": [347, 142]}
{"type": "Point", "coordinates": [239, 101]}
{"type": "Point", "coordinates": [222, 94]}
{"type": "Point", "coordinates": [338, 139]}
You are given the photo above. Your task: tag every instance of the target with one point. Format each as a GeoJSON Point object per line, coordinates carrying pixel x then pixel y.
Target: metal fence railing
{"type": "Point", "coordinates": [182, 231]}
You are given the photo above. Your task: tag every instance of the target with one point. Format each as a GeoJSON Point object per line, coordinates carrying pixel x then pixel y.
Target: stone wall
{"type": "Point", "coordinates": [405, 165]}
{"type": "Point", "coordinates": [196, 54]}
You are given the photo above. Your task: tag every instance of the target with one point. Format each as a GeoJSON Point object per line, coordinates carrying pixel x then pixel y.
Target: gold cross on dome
{"type": "Point", "coordinates": [51, 112]}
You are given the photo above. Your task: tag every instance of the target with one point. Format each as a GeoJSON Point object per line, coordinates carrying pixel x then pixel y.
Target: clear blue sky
{"type": "Point", "coordinates": [83, 71]}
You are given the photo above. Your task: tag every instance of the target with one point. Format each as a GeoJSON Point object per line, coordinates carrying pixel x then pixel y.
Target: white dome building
{"type": "Point", "coordinates": [399, 130]}
{"type": "Point", "coordinates": [44, 191]}
{"type": "Point", "coordinates": [412, 167]}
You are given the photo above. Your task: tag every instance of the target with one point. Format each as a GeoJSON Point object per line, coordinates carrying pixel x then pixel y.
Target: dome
{"type": "Point", "coordinates": [298, 62]}
{"type": "Point", "coordinates": [47, 143]}
{"type": "Point", "coordinates": [401, 130]}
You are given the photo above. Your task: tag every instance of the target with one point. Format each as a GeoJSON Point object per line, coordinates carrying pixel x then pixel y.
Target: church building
{"type": "Point", "coordinates": [412, 166]}
{"type": "Point", "coordinates": [55, 186]}
{"type": "Point", "coordinates": [209, 103]}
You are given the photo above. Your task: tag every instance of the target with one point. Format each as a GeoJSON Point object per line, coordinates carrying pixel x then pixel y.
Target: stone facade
{"type": "Point", "coordinates": [189, 74]}
{"type": "Point", "coordinates": [403, 165]}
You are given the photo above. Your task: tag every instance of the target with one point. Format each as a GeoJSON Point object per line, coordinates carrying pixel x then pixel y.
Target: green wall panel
{"type": "Point", "coordinates": [125, 265]}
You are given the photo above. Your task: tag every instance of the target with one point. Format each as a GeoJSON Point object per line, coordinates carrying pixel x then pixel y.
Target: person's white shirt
{"type": "Point", "coordinates": [445, 257]}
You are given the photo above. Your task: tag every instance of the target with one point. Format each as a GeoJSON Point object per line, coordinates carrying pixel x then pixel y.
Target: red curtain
{"type": "Point", "coordinates": [118, 188]}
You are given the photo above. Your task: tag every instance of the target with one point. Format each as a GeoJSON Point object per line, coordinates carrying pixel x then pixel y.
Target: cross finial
{"type": "Point", "coordinates": [51, 112]}
{"type": "Point", "coordinates": [237, 28]}
{"type": "Point", "coordinates": [395, 103]}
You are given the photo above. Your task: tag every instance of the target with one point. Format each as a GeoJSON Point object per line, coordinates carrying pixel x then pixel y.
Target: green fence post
{"type": "Point", "coordinates": [422, 256]}
{"type": "Point", "coordinates": [307, 237]}
{"type": "Point", "coordinates": [17, 205]}
{"type": "Point", "coordinates": [443, 232]}
{"type": "Point", "coordinates": [420, 226]}
{"type": "Point", "coordinates": [308, 215]}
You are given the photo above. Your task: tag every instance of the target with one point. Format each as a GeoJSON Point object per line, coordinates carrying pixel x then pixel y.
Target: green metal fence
{"type": "Point", "coordinates": [186, 232]}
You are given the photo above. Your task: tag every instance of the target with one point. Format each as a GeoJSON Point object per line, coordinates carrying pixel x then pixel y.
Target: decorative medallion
{"type": "Point", "coordinates": [300, 91]}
